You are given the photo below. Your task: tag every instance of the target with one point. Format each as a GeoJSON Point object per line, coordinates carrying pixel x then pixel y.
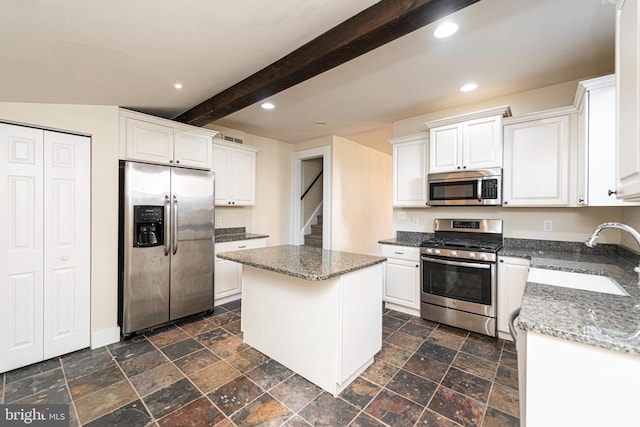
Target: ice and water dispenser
{"type": "Point", "coordinates": [148, 226]}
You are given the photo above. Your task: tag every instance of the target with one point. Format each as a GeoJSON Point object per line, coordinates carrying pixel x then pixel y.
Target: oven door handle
{"type": "Point", "coordinates": [458, 263]}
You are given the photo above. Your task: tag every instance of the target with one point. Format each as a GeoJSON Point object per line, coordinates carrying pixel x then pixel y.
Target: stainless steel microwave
{"type": "Point", "coordinates": [482, 187]}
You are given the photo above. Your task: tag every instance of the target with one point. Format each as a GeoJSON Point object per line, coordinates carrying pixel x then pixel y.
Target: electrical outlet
{"type": "Point", "coordinates": [402, 215]}
{"type": "Point", "coordinates": [218, 220]}
{"type": "Point", "coordinates": [548, 225]}
{"type": "Point", "coordinates": [416, 221]}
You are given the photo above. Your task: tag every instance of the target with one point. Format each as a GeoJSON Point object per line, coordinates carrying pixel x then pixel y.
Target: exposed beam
{"type": "Point", "coordinates": [373, 27]}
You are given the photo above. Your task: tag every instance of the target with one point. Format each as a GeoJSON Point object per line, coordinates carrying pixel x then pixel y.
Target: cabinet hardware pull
{"type": "Point", "coordinates": [242, 247]}
{"type": "Point", "coordinates": [399, 253]}
{"type": "Point", "coordinates": [612, 192]}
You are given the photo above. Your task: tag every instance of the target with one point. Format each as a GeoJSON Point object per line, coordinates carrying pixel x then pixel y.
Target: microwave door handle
{"type": "Point", "coordinates": [479, 190]}
{"type": "Point", "coordinates": [458, 263]}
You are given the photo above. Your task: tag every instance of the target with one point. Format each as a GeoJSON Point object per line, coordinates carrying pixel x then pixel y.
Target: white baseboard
{"type": "Point", "coordinates": [105, 337]}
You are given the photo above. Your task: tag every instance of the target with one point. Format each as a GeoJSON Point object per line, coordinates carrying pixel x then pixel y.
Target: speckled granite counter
{"type": "Point", "coordinates": [603, 320]}
{"type": "Point", "coordinates": [304, 262]}
{"type": "Point", "coordinates": [407, 238]}
{"type": "Point", "coordinates": [233, 234]}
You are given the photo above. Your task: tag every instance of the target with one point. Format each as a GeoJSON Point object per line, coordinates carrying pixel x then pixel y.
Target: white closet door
{"type": "Point", "coordinates": [67, 236]}
{"type": "Point", "coordinates": [21, 247]}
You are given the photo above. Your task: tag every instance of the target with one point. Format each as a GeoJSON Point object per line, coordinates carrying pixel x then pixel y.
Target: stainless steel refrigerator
{"type": "Point", "coordinates": [165, 254]}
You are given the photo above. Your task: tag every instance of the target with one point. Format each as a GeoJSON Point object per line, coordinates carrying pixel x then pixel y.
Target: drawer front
{"type": "Point", "coordinates": [240, 245]}
{"type": "Point", "coordinates": [401, 252]}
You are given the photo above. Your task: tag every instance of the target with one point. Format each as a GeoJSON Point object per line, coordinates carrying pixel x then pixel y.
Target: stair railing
{"type": "Point", "coordinates": [311, 185]}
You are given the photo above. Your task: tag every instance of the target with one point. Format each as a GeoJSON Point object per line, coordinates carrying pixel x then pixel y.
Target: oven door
{"type": "Point", "coordinates": [463, 285]}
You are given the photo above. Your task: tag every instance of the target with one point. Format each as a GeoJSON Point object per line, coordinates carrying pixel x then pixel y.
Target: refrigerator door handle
{"type": "Point", "coordinates": [167, 212]}
{"type": "Point", "coordinates": [174, 225]}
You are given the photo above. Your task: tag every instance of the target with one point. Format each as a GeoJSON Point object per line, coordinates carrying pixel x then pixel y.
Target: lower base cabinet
{"type": "Point", "coordinates": [402, 279]}
{"type": "Point", "coordinates": [228, 274]}
{"type": "Point", "coordinates": [512, 278]}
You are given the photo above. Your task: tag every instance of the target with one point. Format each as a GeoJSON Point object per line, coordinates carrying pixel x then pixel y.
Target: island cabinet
{"type": "Point", "coordinates": [228, 275]}
{"type": "Point", "coordinates": [155, 140]}
{"type": "Point", "coordinates": [410, 170]}
{"type": "Point", "coordinates": [235, 169]}
{"type": "Point", "coordinates": [512, 278]}
{"type": "Point", "coordinates": [470, 141]}
{"type": "Point", "coordinates": [539, 155]}
{"type": "Point", "coordinates": [628, 100]}
{"type": "Point", "coordinates": [596, 103]}
{"type": "Point", "coordinates": [402, 279]}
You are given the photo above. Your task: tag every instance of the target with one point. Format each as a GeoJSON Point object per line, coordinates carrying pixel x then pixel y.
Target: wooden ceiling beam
{"type": "Point", "coordinates": [375, 26]}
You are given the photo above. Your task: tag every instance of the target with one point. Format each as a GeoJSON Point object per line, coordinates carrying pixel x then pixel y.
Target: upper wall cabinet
{"type": "Point", "coordinates": [538, 158]}
{"type": "Point", "coordinates": [410, 170]}
{"type": "Point", "coordinates": [628, 100]}
{"type": "Point", "coordinates": [596, 103]}
{"type": "Point", "coordinates": [155, 140]}
{"type": "Point", "coordinates": [470, 141]}
{"type": "Point", "coordinates": [235, 169]}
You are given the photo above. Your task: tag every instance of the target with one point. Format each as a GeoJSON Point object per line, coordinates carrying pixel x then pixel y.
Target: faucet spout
{"type": "Point", "coordinates": [592, 241]}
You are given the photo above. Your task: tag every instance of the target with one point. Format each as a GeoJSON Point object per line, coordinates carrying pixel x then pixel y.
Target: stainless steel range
{"type": "Point", "coordinates": [459, 274]}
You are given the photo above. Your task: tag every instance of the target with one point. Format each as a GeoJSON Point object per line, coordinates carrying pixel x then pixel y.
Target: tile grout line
{"type": "Point", "coordinates": [66, 383]}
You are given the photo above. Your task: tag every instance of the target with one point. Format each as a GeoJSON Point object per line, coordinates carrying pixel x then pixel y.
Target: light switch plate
{"type": "Point", "coordinates": [402, 215]}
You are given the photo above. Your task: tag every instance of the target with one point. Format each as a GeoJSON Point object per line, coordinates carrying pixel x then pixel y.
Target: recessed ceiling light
{"type": "Point", "coordinates": [468, 87]}
{"type": "Point", "coordinates": [445, 29]}
{"type": "Point", "coordinates": [267, 106]}
{"type": "Point", "coordinates": [177, 86]}
{"type": "Point", "coordinates": [320, 124]}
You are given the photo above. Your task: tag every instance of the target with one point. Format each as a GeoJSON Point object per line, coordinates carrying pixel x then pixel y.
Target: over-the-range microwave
{"type": "Point", "coordinates": [482, 187]}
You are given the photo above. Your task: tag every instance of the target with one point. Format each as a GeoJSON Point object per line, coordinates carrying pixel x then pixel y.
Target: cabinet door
{"type": "Point", "coordinates": [243, 183]}
{"type": "Point", "coordinates": [67, 231]}
{"type": "Point", "coordinates": [512, 278]}
{"type": "Point", "coordinates": [445, 144]}
{"type": "Point", "coordinates": [536, 162]}
{"type": "Point", "coordinates": [402, 280]}
{"type": "Point", "coordinates": [482, 143]}
{"type": "Point", "coordinates": [410, 174]}
{"type": "Point", "coordinates": [628, 99]}
{"type": "Point", "coordinates": [221, 166]}
{"type": "Point", "coordinates": [192, 149]}
{"type": "Point", "coordinates": [21, 247]}
{"type": "Point", "coordinates": [149, 142]}
{"type": "Point", "coordinates": [228, 278]}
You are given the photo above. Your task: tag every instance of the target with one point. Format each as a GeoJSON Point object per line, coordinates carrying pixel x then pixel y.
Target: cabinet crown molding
{"type": "Point", "coordinates": [409, 138]}
{"type": "Point", "coordinates": [123, 112]}
{"type": "Point", "coordinates": [592, 84]}
{"type": "Point", "coordinates": [554, 112]}
{"type": "Point", "coordinates": [504, 111]}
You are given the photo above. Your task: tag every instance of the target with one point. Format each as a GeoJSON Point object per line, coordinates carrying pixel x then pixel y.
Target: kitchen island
{"type": "Point", "coordinates": [316, 311]}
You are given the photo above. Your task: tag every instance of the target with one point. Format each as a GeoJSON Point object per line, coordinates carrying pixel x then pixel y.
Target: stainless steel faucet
{"type": "Point", "coordinates": [592, 241]}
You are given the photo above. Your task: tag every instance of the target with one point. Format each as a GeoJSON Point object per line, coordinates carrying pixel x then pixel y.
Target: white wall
{"type": "Point", "coordinates": [101, 122]}
{"type": "Point", "coordinates": [362, 182]}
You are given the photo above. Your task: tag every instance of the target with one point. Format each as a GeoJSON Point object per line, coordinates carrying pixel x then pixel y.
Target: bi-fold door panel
{"type": "Point", "coordinates": [67, 231]}
{"type": "Point", "coordinates": [21, 246]}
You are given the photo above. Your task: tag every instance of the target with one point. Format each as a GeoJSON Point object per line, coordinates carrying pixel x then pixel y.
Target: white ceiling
{"type": "Point", "coordinates": [130, 53]}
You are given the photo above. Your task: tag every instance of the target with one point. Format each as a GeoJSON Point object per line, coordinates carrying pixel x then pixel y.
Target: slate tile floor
{"type": "Point", "coordinates": [200, 373]}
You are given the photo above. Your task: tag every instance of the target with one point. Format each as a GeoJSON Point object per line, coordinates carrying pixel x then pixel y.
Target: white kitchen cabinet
{"type": "Point", "coordinates": [235, 169]}
{"type": "Point", "coordinates": [160, 141]}
{"type": "Point", "coordinates": [227, 285]}
{"type": "Point", "coordinates": [596, 103]}
{"type": "Point", "coordinates": [410, 170]}
{"type": "Point", "coordinates": [628, 100]}
{"type": "Point", "coordinates": [45, 244]}
{"type": "Point", "coordinates": [467, 142]}
{"type": "Point", "coordinates": [402, 279]}
{"type": "Point", "coordinates": [539, 155]}
{"type": "Point", "coordinates": [512, 278]}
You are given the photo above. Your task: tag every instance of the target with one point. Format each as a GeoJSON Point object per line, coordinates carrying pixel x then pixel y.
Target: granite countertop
{"type": "Point", "coordinates": [603, 320]}
{"type": "Point", "coordinates": [407, 238]}
{"type": "Point", "coordinates": [233, 234]}
{"type": "Point", "coordinates": [304, 262]}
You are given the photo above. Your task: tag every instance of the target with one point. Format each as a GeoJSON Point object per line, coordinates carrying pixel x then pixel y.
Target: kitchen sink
{"type": "Point", "coordinates": [569, 279]}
